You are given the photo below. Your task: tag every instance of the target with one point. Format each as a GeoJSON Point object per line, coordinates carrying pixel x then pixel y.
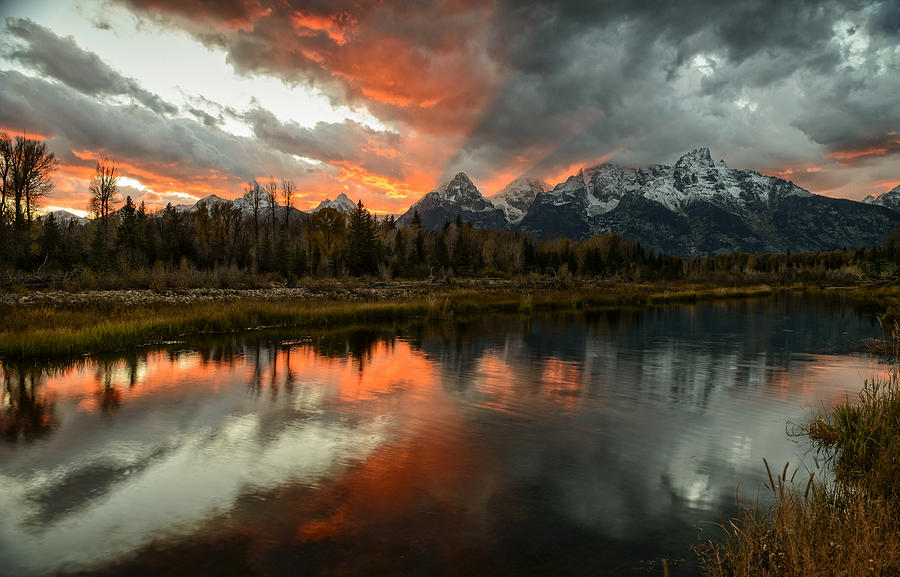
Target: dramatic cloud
{"type": "Point", "coordinates": [64, 60]}
{"type": "Point", "coordinates": [804, 89]}
{"type": "Point", "coordinates": [175, 156]}
{"type": "Point", "coordinates": [539, 87]}
{"type": "Point", "coordinates": [330, 142]}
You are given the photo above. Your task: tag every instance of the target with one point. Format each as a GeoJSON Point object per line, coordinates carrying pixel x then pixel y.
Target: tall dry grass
{"type": "Point", "coordinates": [844, 521]}
{"type": "Point", "coordinates": [57, 330]}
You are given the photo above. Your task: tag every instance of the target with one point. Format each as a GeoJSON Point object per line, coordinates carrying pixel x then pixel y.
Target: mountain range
{"type": "Point", "coordinates": [696, 207]}
{"type": "Point", "coordinates": [890, 199]}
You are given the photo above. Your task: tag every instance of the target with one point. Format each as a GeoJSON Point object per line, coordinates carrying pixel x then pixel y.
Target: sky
{"type": "Point", "coordinates": [385, 99]}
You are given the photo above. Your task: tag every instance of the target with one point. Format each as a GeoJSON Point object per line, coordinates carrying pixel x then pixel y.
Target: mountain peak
{"type": "Point", "coordinates": [696, 157]}
{"type": "Point", "coordinates": [889, 199]}
{"type": "Point", "coordinates": [462, 177]}
{"type": "Point", "coordinates": [457, 197]}
{"type": "Point", "coordinates": [458, 188]}
{"type": "Point", "coordinates": [211, 199]}
{"type": "Point", "coordinates": [342, 204]}
{"type": "Point", "coordinates": [517, 196]}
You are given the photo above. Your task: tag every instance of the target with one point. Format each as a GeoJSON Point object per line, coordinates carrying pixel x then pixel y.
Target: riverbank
{"type": "Point", "coordinates": [842, 520]}
{"type": "Point", "coordinates": [45, 324]}
{"type": "Point", "coordinates": [62, 323]}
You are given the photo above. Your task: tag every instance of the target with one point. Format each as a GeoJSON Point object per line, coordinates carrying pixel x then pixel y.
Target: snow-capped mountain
{"type": "Point", "coordinates": [209, 201]}
{"type": "Point", "coordinates": [701, 207]}
{"type": "Point", "coordinates": [64, 216]}
{"type": "Point", "coordinates": [890, 199]}
{"type": "Point", "coordinates": [457, 197]}
{"type": "Point", "coordinates": [516, 197]}
{"type": "Point", "coordinates": [342, 204]}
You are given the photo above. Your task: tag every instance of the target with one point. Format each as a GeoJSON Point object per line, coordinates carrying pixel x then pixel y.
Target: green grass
{"type": "Point", "coordinates": [56, 331]}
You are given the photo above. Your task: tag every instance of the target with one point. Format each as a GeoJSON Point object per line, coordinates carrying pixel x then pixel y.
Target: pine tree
{"type": "Point", "coordinates": [127, 234]}
{"type": "Point", "coordinates": [362, 255]}
{"type": "Point", "coordinates": [420, 238]}
{"type": "Point", "coordinates": [399, 267]}
{"type": "Point", "coordinates": [175, 244]}
{"type": "Point", "coordinates": [301, 261]}
{"type": "Point", "coordinates": [51, 240]}
{"type": "Point", "coordinates": [463, 261]}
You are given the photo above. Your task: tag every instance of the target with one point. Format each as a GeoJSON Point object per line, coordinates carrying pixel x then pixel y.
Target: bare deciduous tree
{"type": "Point", "coordinates": [287, 198]}
{"type": "Point", "coordinates": [272, 203]}
{"type": "Point", "coordinates": [254, 197]}
{"type": "Point", "coordinates": [6, 159]}
{"type": "Point", "coordinates": [27, 166]}
{"type": "Point", "coordinates": [104, 188]}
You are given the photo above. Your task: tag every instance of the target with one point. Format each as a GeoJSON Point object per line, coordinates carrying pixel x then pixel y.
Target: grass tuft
{"type": "Point", "coordinates": [846, 523]}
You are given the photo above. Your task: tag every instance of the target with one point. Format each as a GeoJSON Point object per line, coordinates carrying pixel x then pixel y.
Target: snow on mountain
{"type": "Point", "coordinates": [516, 197]}
{"type": "Point", "coordinates": [342, 204]}
{"type": "Point", "coordinates": [64, 216]}
{"type": "Point", "coordinates": [456, 197]}
{"type": "Point", "coordinates": [699, 207]}
{"type": "Point", "coordinates": [210, 200]}
{"type": "Point", "coordinates": [889, 199]}
{"type": "Point", "coordinates": [693, 178]}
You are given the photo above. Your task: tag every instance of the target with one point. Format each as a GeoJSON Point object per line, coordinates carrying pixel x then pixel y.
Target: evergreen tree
{"type": "Point", "coordinates": [176, 243]}
{"type": "Point", "coordinates": [282, 254]}
{"type": "Point", "coordinates": [420, 238]}
{"type": "Point", "coordinates": [440, 254]}
{"type": "Point", "coordinates": [127, 233]}
{"type": "Point", "coordinates": [529, 258]}
{"type": "Point", "coordinates": [399, 265]}
{"type": "Point", "coordinates": [301, 261]}
{"type": "Point", "coordinates": [463, 259]}
{"type": "Point", "coordinates": [51, 240]}
{"type": "Point", "coordinates": [362, 254]}
{"type": "Point", "coordinates": [144, 241]}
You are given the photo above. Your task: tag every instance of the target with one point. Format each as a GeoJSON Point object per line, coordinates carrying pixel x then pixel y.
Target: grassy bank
{"type": "Point", "coordinates": [848, 525]}
{"type": "Point", "coordinates": [66, 330]}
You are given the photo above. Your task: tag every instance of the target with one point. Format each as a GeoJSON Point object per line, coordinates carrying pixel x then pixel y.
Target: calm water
{"type": "Point", "coordinates": [559, 445]}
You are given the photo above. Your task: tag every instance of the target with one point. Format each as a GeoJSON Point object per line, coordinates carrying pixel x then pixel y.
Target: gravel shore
{"type": "Point", "coordinates": [350, 292]}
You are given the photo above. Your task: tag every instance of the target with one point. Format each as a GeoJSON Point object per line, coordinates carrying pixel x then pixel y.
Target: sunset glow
{"type": "Point", "coordinates": [383, 102]}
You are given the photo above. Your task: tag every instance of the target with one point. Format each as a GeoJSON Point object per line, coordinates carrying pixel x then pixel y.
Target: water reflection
{"type": "Point", "coordinates": [562, 444]}
{"type": "Point", "coordinates": [28, 411]}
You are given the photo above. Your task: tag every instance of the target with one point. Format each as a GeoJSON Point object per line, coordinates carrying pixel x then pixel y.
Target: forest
{"type": "Point", "coordinates": [262, 240]}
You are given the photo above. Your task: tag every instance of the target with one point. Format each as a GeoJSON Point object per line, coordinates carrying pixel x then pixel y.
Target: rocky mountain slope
{"type": "Point", "coordinates": [699, 207]}
{"type": "Point", "coordinates": [459, 196]}
{"type": "Point", "coordinates": [890, 199]}
{"type": "Point", "coordinates": [515, 199]}
{"type": "Point", "coordinates": [342, 204]}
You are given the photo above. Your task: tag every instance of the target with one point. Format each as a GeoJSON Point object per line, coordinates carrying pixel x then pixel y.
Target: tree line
{"type": "Point", "coordinates": [262, 234]}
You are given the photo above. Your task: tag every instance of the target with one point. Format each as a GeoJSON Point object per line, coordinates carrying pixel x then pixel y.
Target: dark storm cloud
{"type": "Point", "coordinates": [618, 66]}
{"type": "Point", "coordinates": [62, 59]}
{"type": "Point", "coordinates": [180, 148]}
{"type": "Point", "coordinates": [540, 86]}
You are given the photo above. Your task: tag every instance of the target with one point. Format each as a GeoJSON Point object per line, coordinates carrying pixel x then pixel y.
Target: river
{"type": "Point", "coordinates": [559, 444]}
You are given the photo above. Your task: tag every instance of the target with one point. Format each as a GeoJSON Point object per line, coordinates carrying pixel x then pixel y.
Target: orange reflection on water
{"type": "Point", "coordinates": [100, 385]}
{"type": "Point", "coordinates": [822, 381]}
{"type": "Point", "coordinates": [562, 382]}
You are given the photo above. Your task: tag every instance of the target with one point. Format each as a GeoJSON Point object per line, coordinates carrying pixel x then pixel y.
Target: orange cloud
{"type": "Point", "coordinates": [857, 154]}
{"type": "Point", "coordinates": [335, 26]}
{"type": "Point", "coordinates": [14, 132]}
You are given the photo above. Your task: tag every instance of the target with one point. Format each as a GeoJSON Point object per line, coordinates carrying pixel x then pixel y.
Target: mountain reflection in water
{"type": "Point", "coordinates": [559, 444]}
